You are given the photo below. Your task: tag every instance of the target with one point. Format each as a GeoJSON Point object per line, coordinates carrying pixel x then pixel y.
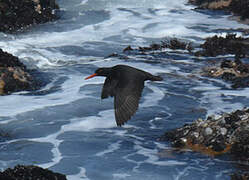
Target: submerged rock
{"type": "Point", "coordinates": [235, 72]}
{"type": "Point", "coordinates": [18, 14]}
{"type": "Point", "coordinates": [215, 136]}
{"type": "Point", "coordinates": [14, 75]}
{"type": "Point", "coordinates": [21, 172]}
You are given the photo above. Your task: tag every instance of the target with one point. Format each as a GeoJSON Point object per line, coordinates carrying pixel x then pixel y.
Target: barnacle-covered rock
{"type": "Point", "coordinates": [14, 75]}
{"type": "Point", "coordinates": [19, 14]}
{"type": "Point", "coordinates": [215, 136]}
{"type": "Point", "coordinates": [235, 72]}
{"type": "Point", "coordinates": [21, 172]}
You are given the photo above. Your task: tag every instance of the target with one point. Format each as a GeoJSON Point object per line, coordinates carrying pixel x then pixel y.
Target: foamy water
{"type": "Point", "coordinates": [66, 127]}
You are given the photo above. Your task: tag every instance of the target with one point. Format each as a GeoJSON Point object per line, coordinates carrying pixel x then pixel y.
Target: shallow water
{"type": "Point", "coordinates": [66, 127]}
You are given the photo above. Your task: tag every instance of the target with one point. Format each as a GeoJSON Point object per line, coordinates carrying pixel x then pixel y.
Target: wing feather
{"type": "Point", "coordinates": [126, 101]}
{"type": "Point", "coordinates": [109, 88]}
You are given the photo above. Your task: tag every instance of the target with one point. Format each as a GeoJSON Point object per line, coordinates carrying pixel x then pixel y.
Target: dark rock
{"type": "Point", "coordinates": [243, 69]}
{"type": "Point", "coordinates": [18, 14]}
{"type": "Point", "coordinates": [235, 72]}
{"type": "Point", "coordinates": [8, 60]}
{"type": "Point", "coordinates": [21, 172]}
{"type": "Point", "coordinates": [211, 4]}
{"type": "Point", "coordinates": [239, 176]}
{"type": "Point", "coordinates": [240, 82]}
{"type": "Point", "coordinates": [177, 44]}
{"type": "Point", "coordinates": [226, 64]}
{"type": "Point", "coordinates": [232, 119]}
{"type": "Point", "coordinates": [128, 48]}
{"type": "Point", "coordinates": [228, 133]}
{"type": "Point", "coordinates": [240, 8]}
{"type": "Point", "coordinates": [227, 76]}
{"type": "Point", "coordinates": [237, 7]}
{"type": "Point", "coordinates": [240, 148]}
{"type": "Point", "coordinates": [171, 44]}
{"type": "Point", "coordinates": [231, 44]}
{"type": "Point", "coordinates": [14, 75]}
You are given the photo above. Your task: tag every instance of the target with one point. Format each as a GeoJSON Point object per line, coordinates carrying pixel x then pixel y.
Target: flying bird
{"type": "Point", "coordinates": [125, 84]}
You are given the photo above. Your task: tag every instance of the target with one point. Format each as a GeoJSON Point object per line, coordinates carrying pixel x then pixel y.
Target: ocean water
{"type": "Point", "coordinates": [66, 127]}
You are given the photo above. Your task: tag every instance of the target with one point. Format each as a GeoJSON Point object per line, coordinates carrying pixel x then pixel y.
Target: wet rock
{"type": "Point", "coordinates": [240, 148]}
{"type": "Point", "coordinates": [14, 75]}
{"type": "Point", "coordinates": [214, 137]}
{"type": "Point", "coordinates": [128, 48]}
{"type": "Point", "coordinates": [19, 14]}
{"type": "Point", "coordinates": [240, 176]}
{"type": "Point", "coordinates": [21, 172]}
{"type": "Point", "coordinates": [231, 44]}
{"type": "Point", "coordinates": [208, 131]}
{"type": "Point", "coordinates": [177, 44]}
{"type": "Point", "coordinates": [235, 72]}
{"type": "Point", "coordinates": [170, 44]}
{"type": "Point", "coordinates": [211, 4]}
{"type": "Point", "coordinates": [223, 131]}
{"type": "Point", "coordinates": [240, 8]}
{"type": "Point", "coordinates": [237, 7]}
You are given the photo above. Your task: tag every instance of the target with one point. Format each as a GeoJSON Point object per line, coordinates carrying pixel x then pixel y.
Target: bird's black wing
{"type": "Point", "coordinates": [126, 101]}
{"type": "Point", "coordinates": [109, 87]}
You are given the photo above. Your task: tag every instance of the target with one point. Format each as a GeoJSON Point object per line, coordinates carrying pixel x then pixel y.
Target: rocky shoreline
{"type": "Point", "coordinates": [234, 71]}
{"type": "Point", "coordinates": [214, 136]}
{"type": "Point", "coordinates": [239, 8]}
{"type": "Point", "coordinates": [21, 172]}
{"type": "Point", "coordinates": [218, 45]}
{"type": "Point", "coordinates": [240, 176]}
{"type": "Point", "coordinates": [226, 134]}
{"type": "Point", "coordinates": [17, 15]}
{"type": "Point", "coordinates": [14, 76]}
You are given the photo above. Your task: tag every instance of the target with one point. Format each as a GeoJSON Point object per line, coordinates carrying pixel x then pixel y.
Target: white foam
{"type": "Point", "coordinates": [111, 148]}
{"type": "Point", "coordinates": [105, 119]}
{"type": "Point", "coordinates": [152, 157]}
{"type": "Point", "coordinates": [215, 98]}
{"type": "Point", "coordinates": [116, 132]}
{"type": "Point", "coordinates": [134, 24]}
{"type": "Point", "coordinates": [153, 98]}
{"type": "Point", "coordinates": [182, 173]}
{"type": "Point", "coordinates": [121, 175]}
{"type": "Point", "coordinates": [83, 2]}
{"type": "Point", "coordinates": [70, 92]}
{"type": "Point", "coordinates": [122, 22]}
{"type": "Point", "coordinates": [76, 125]}
{"type": "Point", "coordinates": [80, 175]}
{"type": "Point", "coordinates": [57, 156]}
{"type": "Point", "coordinates": [152, 125]}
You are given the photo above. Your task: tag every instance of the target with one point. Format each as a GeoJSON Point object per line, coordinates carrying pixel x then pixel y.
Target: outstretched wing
{"type": "Point", "coordinates": [126, 100]}
{"type": "Point", "coordinates": [109, 88]}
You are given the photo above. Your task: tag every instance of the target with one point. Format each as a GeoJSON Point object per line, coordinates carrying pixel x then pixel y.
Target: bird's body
{"type": "Point", "coordinates": [125, 84]}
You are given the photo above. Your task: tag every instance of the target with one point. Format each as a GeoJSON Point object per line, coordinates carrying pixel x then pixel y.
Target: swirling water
{"type": "Point", "coordinates": [67, 128]}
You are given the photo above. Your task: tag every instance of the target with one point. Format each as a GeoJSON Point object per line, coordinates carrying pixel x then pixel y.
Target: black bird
{"type": "Point", "coordinates": [126, 84]}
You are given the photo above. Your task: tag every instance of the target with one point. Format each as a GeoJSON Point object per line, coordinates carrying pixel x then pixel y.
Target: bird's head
{"type": "Point", "coordinates": [100, 72]}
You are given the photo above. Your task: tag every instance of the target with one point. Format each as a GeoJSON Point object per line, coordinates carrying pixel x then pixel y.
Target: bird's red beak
{"type": "Point", "coordinates": [91, 76]}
